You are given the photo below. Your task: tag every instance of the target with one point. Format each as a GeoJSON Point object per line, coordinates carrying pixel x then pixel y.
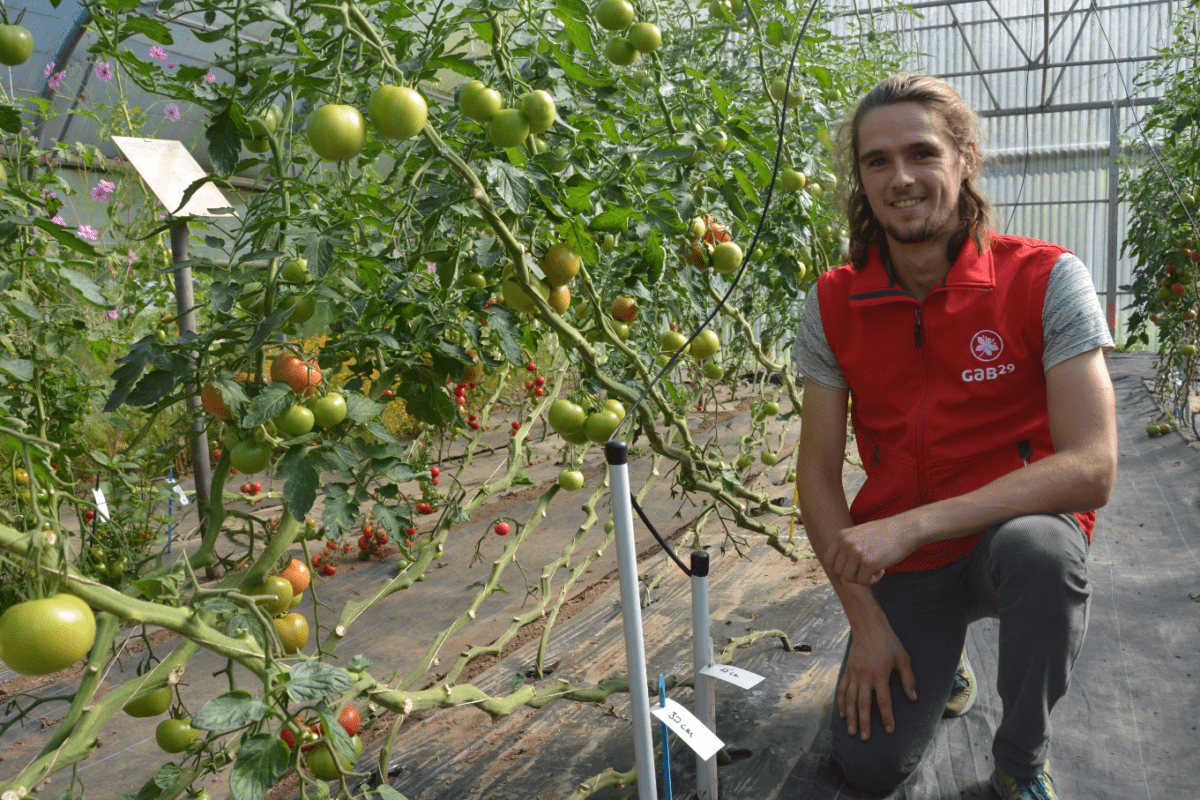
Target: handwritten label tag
{"type": "Point", "coordinates": [101, 504]}
{"type": "Point", "coordinates": [181, 494]}
{"type": "Point", "coordinates": [688, 728]}
{"type": "Point", "coordinates": [738, 677]}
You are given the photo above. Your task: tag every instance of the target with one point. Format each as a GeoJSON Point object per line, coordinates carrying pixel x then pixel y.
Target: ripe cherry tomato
{"type": "Point", "coordinates": [502, 529]}
{"type": "Point", "coordinates": [329, 569]}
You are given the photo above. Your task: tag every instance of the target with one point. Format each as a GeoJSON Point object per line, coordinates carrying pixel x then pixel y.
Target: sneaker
{"type": "Point", "coordinates": [964, 690]}
{"type": "Point", "coordinates": [1007, 787]}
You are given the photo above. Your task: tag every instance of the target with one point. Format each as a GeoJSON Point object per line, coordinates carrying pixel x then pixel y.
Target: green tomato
{"type": "Point", "coordinates": [706, 344]}
{"type": "Point", "coordinates": [265, 125]}
{"type": "Point", "coordinates": [478, 102]}
{"type": "Point", "coordinates": [616, 406]}
{"type": "Point", "coordinates": [328, 410]}
{"type": "Point", "coordinates": [770, 409]}
{"type": "Point", "coordinates": [508, 128]}
{"type": "Point", "coordinates": [320, 760]}
{"type": "Point", "coordinates": [576, 437]}
{"type": "Point", "coordinates": [565, 416]}
{"type": "Point", "coordinates": [744, 460]}
{"type": "Point", "coordinates": [768, 458]}
{"type": "Point", "coordinates": [714, 371]}
{"type": "Point", "coordinates": [336, 132]}
{"type": "Point", "coordinates": [277, 589]}
{"type": "Point", "coordinates": [295, 270]}
{"type": "Point", "coordinates": [614, 15]}
{"type": "Point", "coordinates": [645, 37]}
{"type": "Point", "coordinates": [726, 257]}
{"type": "Point", "coordinates": [600, 425]}
{"type": "Point", "coordinates": [38, 637]}
{"type": "Point", "coordinates": [620, 51]}
{"type": "Point", "coordinates": [397, 112]}
{"type": "Point", "coordinates": [295, 421]}
{"type": "Point", "coordinates": [250, 456]}
{"type": "Point", "coordinates": [175, 735]}
{"type": "Point", "coordinates": [538, 109]}
{"type": "Point", "coordinates": [670, 341]}
{"type": "Point", "coordinates": [16, 45]}
{"type": "Point", "coordinates": [570, 479]}
{"type": "Point", "coordinates": [293, 631]}
{"type": "Point", "coordinates": [302, 308]}
{"type": "Point", "coordinates": [151, 704]}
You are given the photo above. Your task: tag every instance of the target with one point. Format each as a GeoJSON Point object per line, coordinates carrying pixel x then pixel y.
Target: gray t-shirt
{"type": "Point", "coordinates": [1072, 323]}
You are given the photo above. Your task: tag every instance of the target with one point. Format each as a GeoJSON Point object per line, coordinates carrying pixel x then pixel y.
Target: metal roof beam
{"type": "Point", "coordinates": [974, 60]}
{"type": "Point", "coordinates": [1095, 62]}
{"type": "Point", "coordinates": [1090, 106]}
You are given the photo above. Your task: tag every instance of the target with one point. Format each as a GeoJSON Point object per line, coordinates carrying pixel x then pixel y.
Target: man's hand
{"type": "Point", "coordinates": [873, 657]}
{"type": "Point", "coordinates": [861, 553]}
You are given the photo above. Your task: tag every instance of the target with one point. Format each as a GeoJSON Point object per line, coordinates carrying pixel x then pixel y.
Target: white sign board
{"type": "Point", "coordinates": [738, 677]}
{"type": "Point", "coordinates": [169, 169]}
{"type": "Point", "coordinates": [688, 728]}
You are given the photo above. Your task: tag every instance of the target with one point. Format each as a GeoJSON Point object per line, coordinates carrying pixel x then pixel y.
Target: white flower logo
{"type": "Point", "coordinates": [987, 345]}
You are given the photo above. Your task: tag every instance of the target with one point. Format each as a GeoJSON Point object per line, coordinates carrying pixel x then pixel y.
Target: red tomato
{"type": "Point", "coordinates": [329, 569]}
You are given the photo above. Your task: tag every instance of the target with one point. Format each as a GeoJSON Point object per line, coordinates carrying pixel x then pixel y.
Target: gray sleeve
{"type": "Point", "coordinates": [813, 357]}
{"type": "Point", "coordinates": [1072, 322]}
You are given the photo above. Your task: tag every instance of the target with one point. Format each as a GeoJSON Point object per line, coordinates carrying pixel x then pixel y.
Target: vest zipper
{"type": "Point", "coordinates": [917, 328]}
{"type": "Point", "coordinates": [922, 478]}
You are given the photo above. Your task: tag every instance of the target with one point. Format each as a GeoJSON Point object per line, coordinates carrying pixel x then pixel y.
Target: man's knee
{"type": "Point", "coordinates": [1041, 551]}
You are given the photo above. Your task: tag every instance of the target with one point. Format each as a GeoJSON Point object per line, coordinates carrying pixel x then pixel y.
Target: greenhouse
{"type": "Point", "coordinates": [623, 399]}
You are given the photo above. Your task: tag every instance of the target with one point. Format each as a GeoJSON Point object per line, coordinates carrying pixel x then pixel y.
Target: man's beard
{"type": "Point", "coordinates": [924, 233]}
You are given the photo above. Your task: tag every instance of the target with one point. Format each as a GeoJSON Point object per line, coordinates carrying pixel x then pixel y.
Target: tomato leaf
{"type": "Point", "coordinates": [398, 471]}
{"type": "Point", "coordinates": [154, 386]}
{"type": "Point", "coordinates": [268, 327]}
{"type": "Point", "coordinates": [303, 481]}
{"type": "Point", "coordinates": [319, 254]}
{"type": "Point", "coordinates": [10, 119]}
{"type": "Point", "coordinates": [577, 72]}
{"type": "Point", "coordinates": [520, 478]}
{"type": "Point", "coordinates": [362, 409]}
{"type": "Point", "coordinates": [500, 320]}
{"type": "Point", "coordinates": [822, 75]}
{"type": "Point", "coordinates": [167, 774]}
{"type": "Point", "coordinates": [19, 368]}
{"type": "Point", "coordinates": [149, 27]}
{"type": "Point", "coordinates": [86, 287]}
{"type": "Point", "coordinates": [228, 712]}
{"type": "Point", "coordinates": [386, 792]}
{"type": "Point", "coordinates": [613, 220]}
{"type": "Point", "coordinates": [339, 511]}
{"type": "Point", "coordinates": [224, 144]}
{"type": "Point", "coordinates": [576, 30]}
{"type": "Point", "coordinates": [272, 401]}
{"type": "Point", "coordinates": [380, 432]}
{"type": "Point", "coordinates": [747, 187]}
{"type": "Point", "coordinates": [312, 680]}
{"type": "Point", "coordinates": [261, 761]}
{"type": "Point", "coordinates": [511, 184]}
{"type": "Point", "coordinates": [65, 237]}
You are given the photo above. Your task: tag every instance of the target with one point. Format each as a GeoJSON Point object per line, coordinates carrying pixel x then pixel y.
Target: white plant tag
{"type": "Point", "coordinates": [688, 728]}
{"type": "Point", "coordinates": [101, 504]}
{"type": "Point", "coordinates": [181, 494]}
{"type": "Point", "coordinates": [738, 677]}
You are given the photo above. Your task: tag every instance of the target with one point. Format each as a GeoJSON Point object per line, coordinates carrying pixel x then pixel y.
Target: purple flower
{"type": "Point", "coordinates": [103, 190]}
{"type": "Point", "coordinates": [209, 77]}
{"type": "Point", "coordinates": [50, 194]}
{"type": "Point", "coordinates": [49, 68]}
{"type": "Point", "coordinates": [58, 220]}
{"type": "Point", "coordinates": [56, 79]}
{"type": "Point", "coordinates": [173, 112]}
{"type": "Point", "coordinates": [132, 256]}
{"type": "Point", "coordinates": [104, 71]}
{"type": "Point", "coordinates": [430, 266]}
{"type": "Point", "coordinates": [111, 314]}
{"type": "Point", "coordinates": [87, 232]}
{"type": "Point", "coordinates": [172, 66]}
{"type": "Point", "coordinates": [158, 52]}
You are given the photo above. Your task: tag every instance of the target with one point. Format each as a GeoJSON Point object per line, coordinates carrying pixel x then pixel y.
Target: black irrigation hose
{"type": "Point", "coordinates": [762, 218]}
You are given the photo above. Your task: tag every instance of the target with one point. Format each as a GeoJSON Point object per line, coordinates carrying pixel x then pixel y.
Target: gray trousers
{"type": "Point", "coordinates": [1030, 573]}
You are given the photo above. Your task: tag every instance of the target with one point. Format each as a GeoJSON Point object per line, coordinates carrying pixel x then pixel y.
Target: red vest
{"type": "Point", "coordinates": [948, 394]}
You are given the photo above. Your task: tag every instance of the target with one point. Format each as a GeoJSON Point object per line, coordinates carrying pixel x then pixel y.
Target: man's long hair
{"type": "Point", "coordinates": [961, 123]}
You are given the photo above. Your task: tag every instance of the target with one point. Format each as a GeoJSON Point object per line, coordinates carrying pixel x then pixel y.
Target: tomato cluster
{"type": "Point", "coordinates": [371, 542]}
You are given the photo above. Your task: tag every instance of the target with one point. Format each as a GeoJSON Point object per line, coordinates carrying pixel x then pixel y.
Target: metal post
{"type": "Point", "coordinates": [706, 771]}
{"type": "Point", "coordinates": [617, 455]}
{"type": "Point", "coordinates": [1114, 188]}
{"type": "Point", "coordinates": [184, 301]}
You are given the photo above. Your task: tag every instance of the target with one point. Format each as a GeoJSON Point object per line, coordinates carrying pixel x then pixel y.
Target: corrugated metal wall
{"type": "Point", "coordinates": [1051, 151]}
